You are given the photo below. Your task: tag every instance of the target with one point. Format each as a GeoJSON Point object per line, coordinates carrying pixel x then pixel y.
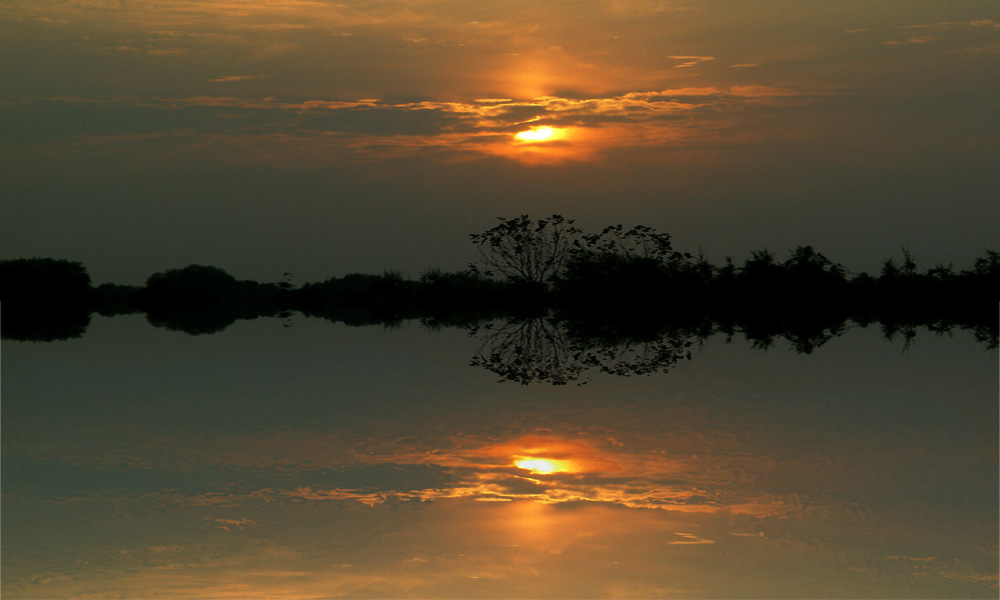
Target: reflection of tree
{"type": "Point", "coordinates": [541, 349]}
{"type": "Point", "coordinates": [44, 321]}
{"type": "Point", "coordinates": [803, 330]}
{"type": "Point", "coordinates": [526, 350]}
{"type": "Point", "coordinates": [574, 340]}
{"type": "Point", "coordinates": [192, 318]}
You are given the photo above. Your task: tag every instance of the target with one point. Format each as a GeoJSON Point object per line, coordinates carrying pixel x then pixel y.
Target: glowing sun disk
{"type": "Point", "coordinates": [539, 134]}
{"type": "Point", "coordinates": [542, 465]}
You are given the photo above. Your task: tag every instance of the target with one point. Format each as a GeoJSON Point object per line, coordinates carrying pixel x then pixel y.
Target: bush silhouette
{"type": "Point", "coordinates": [621, 265]}
{"type": "Point", "coordinates": [197, 283]}
{"type": "Point", "coordinates": [614, 277]}
{"type": "Point", "coordinates": [194, 283]}
{"type": "Point", "coordinates": [356, 288]}
{"type": "Point", "coordinates": [43, 280]}
{"type": "Point", "coordinates": [809, 270]}
{"type": "Point", "coordinates": [462, 286]}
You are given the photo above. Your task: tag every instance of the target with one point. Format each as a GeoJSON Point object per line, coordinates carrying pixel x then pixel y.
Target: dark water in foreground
{"type": "Point", "coordinates": [322, 461]}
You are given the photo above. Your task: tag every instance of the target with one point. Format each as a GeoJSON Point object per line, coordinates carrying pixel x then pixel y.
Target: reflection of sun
{"type": "Point", "coordinates": [540, 134]}
{"type": "Point", "coordinates": [542, 465]}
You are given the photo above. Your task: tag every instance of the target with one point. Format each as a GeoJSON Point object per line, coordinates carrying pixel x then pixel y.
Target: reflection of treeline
{"type": "Point", "coordinates": [573, 340]}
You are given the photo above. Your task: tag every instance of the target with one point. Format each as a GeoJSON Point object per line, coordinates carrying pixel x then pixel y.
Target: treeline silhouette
{"type": "Point", "coordinates": [527, 267]}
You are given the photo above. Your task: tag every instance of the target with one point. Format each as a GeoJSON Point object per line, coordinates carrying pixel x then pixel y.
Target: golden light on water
{"type": "Point", "coordinates": [542, 466]}
{"type": "Point", "coordinates": [540, 134]}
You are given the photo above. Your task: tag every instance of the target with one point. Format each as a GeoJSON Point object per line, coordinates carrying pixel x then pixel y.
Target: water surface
{"type": "Point", "coordinates": [321, 460]}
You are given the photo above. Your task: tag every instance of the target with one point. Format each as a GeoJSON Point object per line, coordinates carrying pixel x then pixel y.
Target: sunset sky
{"type": "Point", "coordinates": [322, 138]}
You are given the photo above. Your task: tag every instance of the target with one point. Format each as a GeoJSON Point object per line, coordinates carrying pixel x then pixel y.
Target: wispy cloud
{"type": "Point", "coordinates": [226, 524]}
{"type": "Point", "coordinates": [229, 78]}
{"type": "Point", "coordinates": [689, 538]}
{"type": "Point", "coordinates": [974, 24]}
{"type": "Point", "coordinates": [946, 31]}
{"type": "Point", "coordinates": [151, 51]}
{"type": "Point", "coordinates": [690, 61]}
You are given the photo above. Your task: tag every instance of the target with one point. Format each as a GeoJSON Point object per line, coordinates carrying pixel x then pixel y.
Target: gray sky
{"type": "Point", "coordinates": [324, 138]}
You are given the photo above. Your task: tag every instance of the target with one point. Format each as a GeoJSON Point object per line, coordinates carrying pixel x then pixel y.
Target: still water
{"type": "Point", "coordinates": [319, 461]}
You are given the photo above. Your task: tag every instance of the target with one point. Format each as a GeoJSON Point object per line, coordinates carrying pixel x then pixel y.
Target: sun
{"type": "Point", "coordinates": [542, 466]}
{"type": "Point", "coordinates": [540, 134]}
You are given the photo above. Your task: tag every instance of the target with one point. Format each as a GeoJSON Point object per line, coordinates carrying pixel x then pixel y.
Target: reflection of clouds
{"type": "Point", "coordinates": [581, 458]}
{"type": "Point", "coordinates": [510, 550]}
{"type": "Point", "coordinates": [329, 467]}
{"type": "Point", "coordinates": [530, 537]}
{"type": "Point", "coordinates": [664, 479]}
{"type": "Point", "coordinates": [593, 474]}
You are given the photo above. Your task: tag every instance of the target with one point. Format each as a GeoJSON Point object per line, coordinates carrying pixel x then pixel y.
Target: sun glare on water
{"type": "Point", "coordinates": [542, 465]}
{"type": "Point", "coordinates": [540, 134]}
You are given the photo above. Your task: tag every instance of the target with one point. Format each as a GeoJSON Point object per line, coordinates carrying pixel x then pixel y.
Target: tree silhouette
{"type": "Point", "coordinates": [527, 250]}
